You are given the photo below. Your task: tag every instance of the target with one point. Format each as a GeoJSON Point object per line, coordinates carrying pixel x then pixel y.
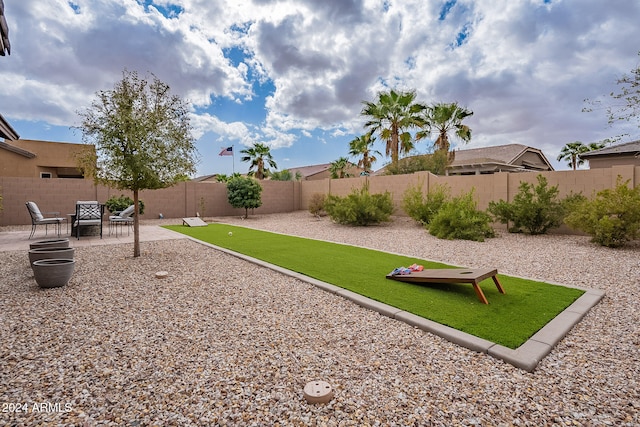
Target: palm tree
{"type": "Point", "coordinates": [443, 119]}
{"type": "Point", "coordinates": [338, 168]}
{"type": "Point", "coordinates": [258, 155]}
{"type": "Point", "coordinates": [571, 152]}
{"type": "Point", "coordinates": [392, 117]}
{"type": "Point", "coordinates": [362, 146]}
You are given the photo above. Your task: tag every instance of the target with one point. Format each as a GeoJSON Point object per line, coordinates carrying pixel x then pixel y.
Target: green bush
{"type": "Point", "coordinates": [316, 204]}
{"type": "Point", "coordinates": [459, 218]}
{"type": "Point", "coordinates": [611, 218]}
{"type": "Point", "coordinates": [360, 207]}
{"type": "Point", "coordinates": [422, 208]}
{"type": "Point", "coordinates": [436, 163]}
{"type": "Point", "coordinates": [535, 209]}
{"type": "Point", "coordinates": [244, 192]}
{"type": "Point", "coordinates": [118, 204]}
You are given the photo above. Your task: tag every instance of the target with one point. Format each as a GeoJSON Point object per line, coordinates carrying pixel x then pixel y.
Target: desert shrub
{"type": "Point", "coordinates": [118, 204]}
{"type": "Point", "coordinates": [535, 209]}
{"type": "Point", "coordinates": [611, 218]}
{"type": "Point", "coordinates": [244, 192]}
{"type": "Point", "coordinates": [459, 218]}
{"type": "Point", "coordinates": [422, 208]}
{"type": "Point", "coordinates": [360, 207]}
{"type": "Point", "coordinates": [316, 204]}
{"type": "Point", "coordinates": [571, 203]}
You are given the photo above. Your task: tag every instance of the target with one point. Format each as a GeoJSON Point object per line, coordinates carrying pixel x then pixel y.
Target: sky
{"type": "Point", "coordinates": [292, 74]}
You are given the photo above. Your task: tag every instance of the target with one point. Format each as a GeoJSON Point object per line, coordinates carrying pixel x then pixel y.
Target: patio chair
{"type": "Point", "coordinates": [37, 219]}
{"type": "Point", "coordinates": [121, 219]}
{"type": "Point", "coordinates": [88, 213]}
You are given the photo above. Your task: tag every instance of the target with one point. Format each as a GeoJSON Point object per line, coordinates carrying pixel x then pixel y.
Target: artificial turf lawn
{"type": "Point", "coordinates": [509, 319]}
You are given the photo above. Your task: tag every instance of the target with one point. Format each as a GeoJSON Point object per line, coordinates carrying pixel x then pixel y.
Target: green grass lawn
{"type": "Point", "coordinates": [509, 319]}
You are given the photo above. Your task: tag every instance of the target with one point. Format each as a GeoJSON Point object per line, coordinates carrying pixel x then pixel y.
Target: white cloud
{"type": "Point", "coordinates": [523, 67]}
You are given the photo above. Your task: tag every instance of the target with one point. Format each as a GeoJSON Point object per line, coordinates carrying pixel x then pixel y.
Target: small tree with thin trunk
{"type": "Point", "coordinates": [142, 137]}
{"type": "Point", "coordinates": [244, 192]}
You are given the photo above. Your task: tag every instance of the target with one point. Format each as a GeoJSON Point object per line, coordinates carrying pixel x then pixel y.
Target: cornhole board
{"type": "Point", "coordinates": [452, 275]}
{"type": "Point", "coordinates": [193, 222]}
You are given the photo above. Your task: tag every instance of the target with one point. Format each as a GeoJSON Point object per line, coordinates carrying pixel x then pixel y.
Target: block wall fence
{"type": "Point", "coordinates": [209, 199]}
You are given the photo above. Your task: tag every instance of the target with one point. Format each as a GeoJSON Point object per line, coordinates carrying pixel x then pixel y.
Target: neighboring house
{"type": "Point", "coordinates": [615, 155]}
{"type": "Point", "coordinates": [26, 158]}
{"type": "Point", "coordinates": [322, 171]}
{"type": "Point", "coordinates": [500, 158]}
{"type": "Point", "coordinates": [206, 178]}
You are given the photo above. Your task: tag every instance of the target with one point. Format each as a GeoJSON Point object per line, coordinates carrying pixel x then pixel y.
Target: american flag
{"type": "Point", "coordinates": [227, 151]}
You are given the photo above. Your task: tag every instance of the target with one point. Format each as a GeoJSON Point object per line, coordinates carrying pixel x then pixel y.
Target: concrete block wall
{"type": "Point", "coordinates": [210, 199]}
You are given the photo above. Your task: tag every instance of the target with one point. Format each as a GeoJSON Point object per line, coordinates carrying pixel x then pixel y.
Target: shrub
{"type": "Point", "coordinates": [118, 204]}
{"type": "Point", "coordinates": [422, 208]}
{"type": "Point", "coordinates": [316, 204]}
{"type": "Point", "coordinates": [611, 218]}
{"type": "Point", "coordinates": [460, 218]}
{"type": "Point", "coordinates": [244, 192]}
{"type": "Point", "coordinates": [360, 207]}
{"type": "Point", "coordinates": [535, 209]}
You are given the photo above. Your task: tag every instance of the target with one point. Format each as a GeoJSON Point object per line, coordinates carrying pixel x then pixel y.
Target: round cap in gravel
{"type": "Point", "coordinates": [161, 274]}
{"type": "Point", "coordinates": [318, 392]}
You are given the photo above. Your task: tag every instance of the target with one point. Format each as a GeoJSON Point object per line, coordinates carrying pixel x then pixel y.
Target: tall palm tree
{"type": "Point", "coordinates": [363, 146]}
{"type": "Point", "coordinates": [258, 155]}
{"type": "Point", "coordinates": [338, 168]}
{"type": "Point", "coordinates": [571, 152]}
{"type": "Point", "coordinates": [392, 116]}
{"type": "Point", "coordinates": [444, 119]}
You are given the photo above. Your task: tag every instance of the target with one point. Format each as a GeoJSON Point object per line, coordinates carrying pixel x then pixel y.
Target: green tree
{"type": "Point", "coordinates": [285, 175]}
{"type": "Point", "coordinates": [445, 120]}
{"type": "Point", "coordinates": [362, 147]}
{"type": "Point", "coordinates": [340, 168]}
{"type": "Point", "coordinates": [571, 152]}
{"type": "Point", "coordinates": [435, 163]}
{"type": "Point", "coordinates": [392, 117]}
{"type": "Point", "coordinates": [142, 137]}
{"type": "Point", "coordinates": [244, 192]}
{"type": "Point", "coordinates": [225, 178]}
{"type": "Point", "coordinates": [258, 155]}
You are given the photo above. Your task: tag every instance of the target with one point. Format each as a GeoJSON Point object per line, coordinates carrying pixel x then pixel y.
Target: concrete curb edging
{"type": "Point", "coordinates": [525, 357]}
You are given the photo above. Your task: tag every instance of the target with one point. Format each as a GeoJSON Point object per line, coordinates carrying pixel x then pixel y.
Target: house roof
{"type": "Point", "coordinates": [629, 148]}
{"type": "Point", "coordinates": [500, 153]}
{"type": "Point", "coordinates": [17, 150]}
{"type": "Point", "coordinates": [205, 178]}
{"type": "Point", "coordinates": [6, 131]}
{"type": "Point", "coordinates": [306, 171]}
{"type": "Point", "coordinates": [502, 156]}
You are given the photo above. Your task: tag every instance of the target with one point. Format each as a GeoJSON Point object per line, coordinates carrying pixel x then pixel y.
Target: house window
{"type": "Point", "coordinates": [45, 174]}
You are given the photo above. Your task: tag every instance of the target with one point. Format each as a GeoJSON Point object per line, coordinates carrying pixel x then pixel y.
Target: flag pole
{"type": "Point", "coordinates": [233, 159]}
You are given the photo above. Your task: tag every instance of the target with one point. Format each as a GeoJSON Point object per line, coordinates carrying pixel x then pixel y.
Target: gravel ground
{"type": "Point", "coordinates": [224, 342]}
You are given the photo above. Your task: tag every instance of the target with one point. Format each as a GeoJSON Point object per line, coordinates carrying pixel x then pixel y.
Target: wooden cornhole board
{"type": "Point", "coordinates": [193, 222]}
{"type": "Point", "coordinates": [452, 275]}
